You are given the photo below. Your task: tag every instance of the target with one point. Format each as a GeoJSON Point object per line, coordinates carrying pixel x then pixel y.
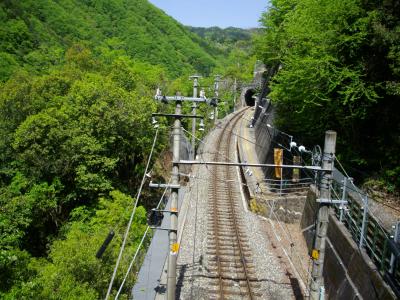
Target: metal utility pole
{"type": "Point", "coordinates": [194, 106]}
{"type": "Point", "coordinates": [318, 253]}
{"type": "Point", "coordinates": [234, 94]}
{"type": "Point", "coordinates": [216, 93]}
{"type": "Point", "coordinates": [173, 232]}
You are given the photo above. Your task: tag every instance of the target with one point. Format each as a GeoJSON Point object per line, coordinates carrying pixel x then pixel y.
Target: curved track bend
{"type": "Point", "coordinates": [232, 271]}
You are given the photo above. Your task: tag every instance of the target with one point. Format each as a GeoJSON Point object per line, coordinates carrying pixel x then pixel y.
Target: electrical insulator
{"type": "Point", "coordinates": [201, 125]}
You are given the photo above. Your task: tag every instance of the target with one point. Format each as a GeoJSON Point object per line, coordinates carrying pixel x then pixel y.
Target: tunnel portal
{"type": "Point", "coordinates": [248, 97]}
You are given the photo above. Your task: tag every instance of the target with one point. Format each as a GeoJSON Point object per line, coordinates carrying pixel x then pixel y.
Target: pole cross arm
{"type": "Point", "coordinates": [176, 115]}
{"type": "Point", "coordinates": [224, 163]}
{"type": "Point", "coordinates": [162, 185]}
{"type": "Point", "coordinates": [180, 98]}
{"type": "Point", "coordinates": [160, 228]}
{"type": "Point", "coordinates": [332, 201]}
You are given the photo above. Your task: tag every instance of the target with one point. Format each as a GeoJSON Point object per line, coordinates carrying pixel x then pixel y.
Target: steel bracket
{"type": "Point", "coordinates": [332, 201]}
{"type": "Point", "coordinates": [163, 185]}
{"type": "Point", "coordinates": [159, 228]}
{"type": "Point", "coordinates": [166, 211]}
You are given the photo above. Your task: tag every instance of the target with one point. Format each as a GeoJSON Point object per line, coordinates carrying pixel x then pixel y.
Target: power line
{"type": "Point", "coordinates": [126, 209]}
{"type": "Point", "coordinates": [201, 141]}
{"type": "Point", "coordinates": [218, 152]}
{"type": "Point", "coordinates": [140, 244]}
{"type": "Point", "coordinates": [132, 262]}
{"type": "Point", "coordinates": [279, 222]}
{"type": "Point", "coordinates": [131, 218]}
{"type": "Point", "coordinates": [299, 188]}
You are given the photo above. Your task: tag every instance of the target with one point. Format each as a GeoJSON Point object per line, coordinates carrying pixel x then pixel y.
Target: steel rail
{"type": "Point", "coordinates": [242, 258]}
{"type": "Point", "coordinates": [216, 214]}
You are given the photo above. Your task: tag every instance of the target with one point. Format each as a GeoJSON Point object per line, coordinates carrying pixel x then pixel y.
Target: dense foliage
{"type": "Point", "coordinates": [76, 87]}
{"type": "Point", "coordinates": [225, 39]}
{"type": "Point", "coordinates": [235, 51]}
{"type": "Point", "coordinates": [74, 143]}
{"type": "Point", "coordinates": [35, 34]}
{"type": "Point", "coordinates": [338, 67]}
{"type": "Point", "coordinates": [77, 80]}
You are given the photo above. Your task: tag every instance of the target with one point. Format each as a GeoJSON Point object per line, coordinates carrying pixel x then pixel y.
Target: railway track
{"type": "Point", "coordinates": [232, 270]}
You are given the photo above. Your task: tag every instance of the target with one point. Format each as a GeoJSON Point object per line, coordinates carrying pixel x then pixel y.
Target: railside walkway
{"type": "Point", "coordinates": [279, 214]}
{"type": "Point", "coordinates": [254, 176]}
{"type": "Point", "coordinates": [148, 283]}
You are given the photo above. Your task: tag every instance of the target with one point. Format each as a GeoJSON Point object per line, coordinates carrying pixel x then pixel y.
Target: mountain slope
{"type": "Point", "coordinates": [225, 39]}
{"type": "Point", "coordinates": [76, 84]}
{"type": "Point", "coordinates": [35, 33]}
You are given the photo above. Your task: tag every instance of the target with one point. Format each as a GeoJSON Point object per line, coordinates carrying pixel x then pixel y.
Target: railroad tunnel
{"type": "Point", "coordinates": [248, 97]}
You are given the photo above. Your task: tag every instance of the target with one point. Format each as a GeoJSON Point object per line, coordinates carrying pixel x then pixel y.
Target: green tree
{"type": "Point", "coordinates": [337, 70]}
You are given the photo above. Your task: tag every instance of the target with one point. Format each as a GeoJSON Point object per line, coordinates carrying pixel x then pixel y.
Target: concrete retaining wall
{"type": "Point", "coordinates": [263, 135]}
{"type": "Point", "coordinates": [348, 272]}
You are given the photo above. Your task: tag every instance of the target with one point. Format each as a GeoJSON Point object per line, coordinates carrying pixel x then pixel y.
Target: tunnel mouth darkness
{"type": "Point", "coordinates": [248, 97]}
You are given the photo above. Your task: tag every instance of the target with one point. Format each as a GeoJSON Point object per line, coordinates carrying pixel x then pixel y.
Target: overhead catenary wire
{"type": "Point", "coordinates": [231, 131]}
{"type": "Point", "coordinates": [288, 189]}
{"type": "Point", "coordinates": [218, 152]}
{"type": "Point", "coordinates": [241, 137]}
{"type": "Point", "coordinates": [272, 139]}
{"type": "Point", "coordinates": [131, 218]}
{"type": "Point", "coordinates": [201, 141]}
{"type": "Point", "coordinates": [126, 209]}
{"type": "Point", "coordinates": [270, 135]}
{"type": "Point", "coordinates": [279, 222]}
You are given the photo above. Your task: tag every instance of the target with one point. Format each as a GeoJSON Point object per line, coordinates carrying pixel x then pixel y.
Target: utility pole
{"type": "Point", "coordinates": [216, 93]}
{"type": "Point", "coordinates": [194, 106]}
{"type": "Point", "coordinates": [318, 253]}
{"type": "Point", "coordinates": [173, 230]}
{"type": "Point", "coordinates": [234, 94]}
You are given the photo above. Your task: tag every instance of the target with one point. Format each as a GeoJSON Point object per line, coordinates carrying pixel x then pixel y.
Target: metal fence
{"type": "Point", "coordinates": [380, 244]}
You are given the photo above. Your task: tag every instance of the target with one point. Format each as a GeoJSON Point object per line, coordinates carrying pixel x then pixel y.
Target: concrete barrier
{"type": "Point", "coordinates": [348, 272]}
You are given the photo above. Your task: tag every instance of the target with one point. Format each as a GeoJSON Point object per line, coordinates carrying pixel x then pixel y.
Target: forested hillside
{"type": "Point", "coordinates": [337, 66]}
{"type": "Point", "coordinates": [77, 80]}
{"type": "Point", "coordinates": [233, 48]}
{"type": "Point", "coordinates": [35, 33]}
{"type": "Point", "coordinates": [225, 39]}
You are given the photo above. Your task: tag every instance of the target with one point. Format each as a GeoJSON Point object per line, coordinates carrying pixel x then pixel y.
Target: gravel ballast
{"type": "Point", "coordinates": [273, 272]}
